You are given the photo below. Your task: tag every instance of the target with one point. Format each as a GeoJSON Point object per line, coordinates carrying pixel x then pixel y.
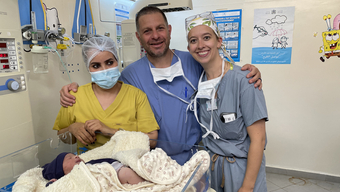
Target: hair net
{"type": "Point", "coordinates": [93, 46]}
{"type": "Point", "coordinates": [208, 19]}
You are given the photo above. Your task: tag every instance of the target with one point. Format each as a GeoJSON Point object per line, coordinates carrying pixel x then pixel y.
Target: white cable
{"type": "Point", "coordinates": [78, 15]}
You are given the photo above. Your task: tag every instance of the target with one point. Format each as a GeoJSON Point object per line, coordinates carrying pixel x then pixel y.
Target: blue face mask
{"type": "Point", "coordinates": [107, 78]}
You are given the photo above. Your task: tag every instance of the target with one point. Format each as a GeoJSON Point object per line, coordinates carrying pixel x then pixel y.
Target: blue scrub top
{"type": "Point", "coordinates": [177, 126]}
{"type": "Point", "coordinates": [234, 96]}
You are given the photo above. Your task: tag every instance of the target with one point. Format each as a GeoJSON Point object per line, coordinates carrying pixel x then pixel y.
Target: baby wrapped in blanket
{"type": "Point", "coordinates": [64, 163]}
{"type": "Point", "coordinates": [131, 149]}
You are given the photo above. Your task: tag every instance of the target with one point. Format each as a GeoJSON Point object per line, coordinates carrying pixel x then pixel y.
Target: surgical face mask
{"type": "Point", "coordinates": [169, 74]}
{"type": "Point", "coordinates": [107, 78]}
{"type": "Point", "coordinates": [207, 90]}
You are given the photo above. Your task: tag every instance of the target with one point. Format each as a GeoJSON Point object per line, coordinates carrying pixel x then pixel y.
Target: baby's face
{"type": "Point", "coordinates": [69, 162]}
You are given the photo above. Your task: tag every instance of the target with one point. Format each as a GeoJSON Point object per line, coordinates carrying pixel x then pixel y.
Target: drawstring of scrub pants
{"type": "Point", "coordinates": [214, 159]}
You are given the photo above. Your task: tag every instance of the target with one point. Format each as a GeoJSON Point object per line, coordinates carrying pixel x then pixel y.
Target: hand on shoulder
{"type": "Point", "coordinates": [66, 99]}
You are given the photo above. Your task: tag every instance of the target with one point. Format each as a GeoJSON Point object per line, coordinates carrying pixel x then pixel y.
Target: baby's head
{"type": "Point", "coordinates": [60, 166]}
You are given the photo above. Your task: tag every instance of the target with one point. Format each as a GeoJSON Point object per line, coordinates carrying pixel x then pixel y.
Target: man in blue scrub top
{"type": "Point", "coordinates": [169, 78]}
{"type": "Point", "coordinates": [177, 73]}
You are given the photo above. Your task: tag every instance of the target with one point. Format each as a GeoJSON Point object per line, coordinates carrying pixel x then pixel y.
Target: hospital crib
{"type": "Point", "coordinates": [37, 155]}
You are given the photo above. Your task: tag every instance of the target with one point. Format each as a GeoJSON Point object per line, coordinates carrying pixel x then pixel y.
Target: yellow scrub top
{"type": "Point", "coordinates": [130, 111]}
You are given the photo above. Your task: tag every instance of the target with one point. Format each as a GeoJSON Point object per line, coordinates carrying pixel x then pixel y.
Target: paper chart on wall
{"type": "Point", "coordinates": [229, 25]}
{"type": "Point", "coordinates": [273, 35]}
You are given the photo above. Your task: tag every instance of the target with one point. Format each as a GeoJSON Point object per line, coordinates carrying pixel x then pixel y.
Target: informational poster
{"type": "Point", "coordinates": [273, 35]}
{"type": "Point", "coordinates": [121, 12]}
{"type": "Point", "coordinates": [229, 24]}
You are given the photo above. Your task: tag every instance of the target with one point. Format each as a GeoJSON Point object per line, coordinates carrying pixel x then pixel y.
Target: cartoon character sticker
{"type": "Point", "coordinates": [330, 38]}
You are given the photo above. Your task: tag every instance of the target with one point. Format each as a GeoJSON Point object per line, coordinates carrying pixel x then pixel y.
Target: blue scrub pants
{"type": "Point", "coordinates": [234, 171]}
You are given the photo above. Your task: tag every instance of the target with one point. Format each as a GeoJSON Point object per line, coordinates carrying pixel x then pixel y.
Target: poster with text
{"type": "Point", "coordinates": [229, 24]}
{"type": "Point", "coordinates": [273, 35]}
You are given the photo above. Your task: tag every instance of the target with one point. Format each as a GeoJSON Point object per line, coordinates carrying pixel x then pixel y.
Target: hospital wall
{"type": "Point", "coordinates": [302, 97]}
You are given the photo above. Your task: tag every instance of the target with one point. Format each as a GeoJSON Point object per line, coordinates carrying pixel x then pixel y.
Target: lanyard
{"type": "Point", "coordinates": [212, 98]}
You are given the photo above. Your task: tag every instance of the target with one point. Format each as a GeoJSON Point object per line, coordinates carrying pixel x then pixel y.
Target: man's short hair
{"type": "Point", "coordinates": [148, 10]}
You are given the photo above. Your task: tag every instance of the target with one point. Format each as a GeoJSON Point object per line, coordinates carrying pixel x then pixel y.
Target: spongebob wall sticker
{"type": "Point", "coordinates": [330, 38]}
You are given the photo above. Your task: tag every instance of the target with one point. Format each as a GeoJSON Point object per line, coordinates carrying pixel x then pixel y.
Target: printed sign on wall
{"type": "Point", "coordinates": [229, 24]}
{"type": "Point", "coordinates": [273, 35]}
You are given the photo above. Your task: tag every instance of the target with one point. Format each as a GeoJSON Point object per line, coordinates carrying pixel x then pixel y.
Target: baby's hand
{"type": "Point", "coordinates": [50, 182]}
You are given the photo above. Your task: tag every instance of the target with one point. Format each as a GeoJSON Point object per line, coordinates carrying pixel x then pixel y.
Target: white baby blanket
{"type": "Point", "coordinates": [132, 149]}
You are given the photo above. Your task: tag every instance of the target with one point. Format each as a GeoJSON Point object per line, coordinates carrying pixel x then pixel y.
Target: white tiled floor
{"type": "Point", "coordinates": [285, 183]}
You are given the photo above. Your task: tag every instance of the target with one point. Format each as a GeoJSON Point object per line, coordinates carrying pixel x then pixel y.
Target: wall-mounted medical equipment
{"type": "Point", "coordinates": [33, 21]}
{"type": "Point", "coordinates": [10, 59]}
{"type": "Point", "coordinates": [12, 84]}
{"type": "Point", "coordinates": [39, 23]}
{"type": "Point", "coordinates": [16, 130]}
{"type": "Point", "coordinates": [41, 26]}
{"type": "Point", "coordinates": [31, 33]}
{"type": "Point", "coordinates": [83, 24]}
{"type": "Point", "coordinates": [164, 5]}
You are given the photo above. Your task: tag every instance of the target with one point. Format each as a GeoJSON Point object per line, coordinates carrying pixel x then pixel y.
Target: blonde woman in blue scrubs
{"type": "Point", "coordinates": [232, 112]}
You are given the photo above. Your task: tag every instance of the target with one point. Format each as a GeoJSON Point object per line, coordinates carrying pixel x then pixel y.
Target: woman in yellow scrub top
{"type": "Point", "coordinates": [106, 104]}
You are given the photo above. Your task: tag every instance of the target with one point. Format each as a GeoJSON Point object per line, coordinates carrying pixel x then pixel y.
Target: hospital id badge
{"type": "Point", "coordinates": [214, 106]}
{"type": "Point", "coordinates": [227, 117]}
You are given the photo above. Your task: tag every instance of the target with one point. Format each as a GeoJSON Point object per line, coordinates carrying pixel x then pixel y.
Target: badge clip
{"type": "Point", "coordinates": [228, 117]}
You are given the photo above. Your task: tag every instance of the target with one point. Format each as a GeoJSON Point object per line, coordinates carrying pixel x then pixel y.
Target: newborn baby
{"type": "Point", "coordinates": [64, 163]}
